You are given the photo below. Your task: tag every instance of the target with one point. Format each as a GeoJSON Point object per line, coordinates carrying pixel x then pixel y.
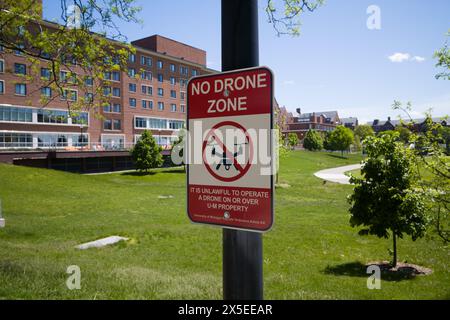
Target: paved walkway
{"type": "Point", "coordinates": [337, 174]}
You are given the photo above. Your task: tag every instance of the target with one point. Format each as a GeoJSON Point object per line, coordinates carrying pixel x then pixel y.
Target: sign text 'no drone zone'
{"type": "Point", "coordinates": [227, 188]}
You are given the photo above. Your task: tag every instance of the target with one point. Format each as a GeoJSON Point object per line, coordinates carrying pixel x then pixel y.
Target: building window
{"type": "Point", "coordinates": [132, 102]}
{"type": "Point", "coordinates": [146, 75]}
{"type": "Point", "coordinates": [147, 90]}
{"type": "Point", "coordinates": [182, 95]}
{"type": "Point", "coordinates": [132, 58]}
{"type": "Point", "coordinates": [52, 116]}
{"type": "Point", "coordinates": [160, 64]}
{"type": "Point", "coordinates": [160, 77]}
{"type": "Point", "coordinates": [194, 72]}
{"type": "Point", "coordinates": [21, 89]}
{"type": "Point", "coordinates": [2, 87]}
{"type": "Point", "coordinates": [45, 73]}
{"type": "Point", "coordinates": [20, 68]}
{"type": "Point", "coordinates": [160, 92]}
{"type": "Point", "coordinates": [160, 106]}
{"type": "Point", "coordinates": [173, 107]}
{"type": "Point", "coordinates": [131, 72]}
{"type": "Point", "coordinates": [89, 97]}
{"type": "Point", "coordinates": [173, 68]}
{"type": "Point", "coordinates": [117, 125]}
{"type": "Point", "coordinates": [81, 118]}
{"type": "Point", "coordinates": [2, 48]}
{"type": "Point", "coordinates": [147, 104]}
{"type": "Point", "coordinates": [146, 61]}
{"type": "Point", "coordinates": [16, 140]}
{"type": "Point", "coordinates": [183, 83]}
{"type": "Point", "coordinates": [68, 94]}
{"type": "Point", "coordinates": [52, 140]}
{"type": "Point", "coordinates": [2, 66]}
{"type": "Point", "coordinates": [16, 114]}
{"type": "Point", "coordinates": [46, 92]}
{"type": "Point", "coordinates": [176, 124]}
{"type": "Point", "coordinates": [140, 123]}
{"type": "Point", "coordinates": [89, 81]}
{"type": "Point", "coordinates": [107, 125]}
{"type": "Point", "coordinates": [173, 81]}
{"type": "Point", "coordinates": [20, 47]}
{"type": "Point", "coordinates": [107, 91]}
{"type": "Point", "coordinates": [116, 92]}
{"type": "Point", "coordinates": [173, 94]}
{"type": "Point", "coordinates": [132, 87]}
{"type": "Point", "coordinates": [116, 76]}
{"type": "Point", "coordinates": [183, 108]}
{"type": "Point", "coordinates": [184, 70]}
{"type": "Point", "coordinates": [112, 107]}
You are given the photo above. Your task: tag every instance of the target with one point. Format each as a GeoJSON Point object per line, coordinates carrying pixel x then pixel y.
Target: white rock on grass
{"type": "Point", "coordinates": [165, 197]}
{"type": "Point", "coordinates": [101, 242]}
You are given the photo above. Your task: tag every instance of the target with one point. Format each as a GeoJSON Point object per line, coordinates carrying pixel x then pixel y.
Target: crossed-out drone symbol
{"type": "Point", "coordinates": [228, 159]}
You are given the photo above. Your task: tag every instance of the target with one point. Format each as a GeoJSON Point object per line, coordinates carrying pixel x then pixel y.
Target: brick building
{"type": "Point", "coordinates": [153, 100]}
{"type": "Point", "coordinates": [319, 121]}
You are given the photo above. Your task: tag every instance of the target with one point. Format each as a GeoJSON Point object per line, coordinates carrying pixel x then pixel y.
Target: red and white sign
{"type": "Point", "coordinates": [229, 151]}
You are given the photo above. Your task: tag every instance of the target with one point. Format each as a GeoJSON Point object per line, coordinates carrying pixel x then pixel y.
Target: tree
{"type": "Point", "coordinates": [288, 22]}
{"type": "Point", "coordinates": [78, 45]}
{"type": "Point", "coordinates": [313, 141]}
{"type": "Point", "coordinates": [146, 153]}
{"type": "Point", "coordinates": [384, 201]}
{"type": "Point", "coordinates": [404, 133]}
{"type": "Point", "coordinates": [363, 131]}
{"type": "Point", "coordinates": [433, 169]}
{"type": "Point", "coordinates": [292, 140]}
{"type": "Point", "coordinates": [340, 139]}
{"type": "Point", "coordinates": [443, 57]}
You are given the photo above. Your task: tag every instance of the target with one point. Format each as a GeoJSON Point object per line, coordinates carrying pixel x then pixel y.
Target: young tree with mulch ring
{"type": "Point", "coordinates": [384, 201]}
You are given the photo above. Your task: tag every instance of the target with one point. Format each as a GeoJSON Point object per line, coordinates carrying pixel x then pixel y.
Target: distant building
{"type": "Point", "coordinates": [350, 122]}
{"type": "Point", "coordinates": [319, 121]}
{"type": "Point", "coordinates": [380, 126]}
{"type": "Point", "coordinates": [419, 124]}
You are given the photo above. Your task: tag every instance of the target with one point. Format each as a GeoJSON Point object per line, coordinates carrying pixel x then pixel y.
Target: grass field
{"type": "Point", "coordinates": [312, 252]}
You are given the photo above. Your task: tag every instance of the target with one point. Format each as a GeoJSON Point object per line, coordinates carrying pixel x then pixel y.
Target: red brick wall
{"type": "Point", "coordinates": [173, 48]}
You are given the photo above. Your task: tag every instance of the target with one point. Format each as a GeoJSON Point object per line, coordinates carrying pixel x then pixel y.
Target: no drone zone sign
{"type": "Point", "coordinates": [230, 148]}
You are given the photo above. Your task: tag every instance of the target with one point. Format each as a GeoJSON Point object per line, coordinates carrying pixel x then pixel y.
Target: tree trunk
{"type": "Point", "coordinates": [394, 258]}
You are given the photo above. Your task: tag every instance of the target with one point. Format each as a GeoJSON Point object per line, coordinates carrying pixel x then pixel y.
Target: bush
{"type": "Point", "coordinates": [146, 153]}
{"type": "Point", "coordinates": [313, 141]}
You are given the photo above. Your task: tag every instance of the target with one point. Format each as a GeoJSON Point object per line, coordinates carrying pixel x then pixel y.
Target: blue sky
{"type": "Point", "coordinates": [336, 63]}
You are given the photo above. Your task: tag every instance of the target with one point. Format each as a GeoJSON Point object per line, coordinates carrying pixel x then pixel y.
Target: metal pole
{"type": "Point", "coordinates": [242, 251]}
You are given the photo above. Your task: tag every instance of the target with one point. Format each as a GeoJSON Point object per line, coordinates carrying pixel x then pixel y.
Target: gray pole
{"type": "Point", "coordinates": [242, 251]}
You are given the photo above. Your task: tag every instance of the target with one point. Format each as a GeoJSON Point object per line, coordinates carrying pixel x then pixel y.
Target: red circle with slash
{"type": "Point", "coordinates": [242, 169]}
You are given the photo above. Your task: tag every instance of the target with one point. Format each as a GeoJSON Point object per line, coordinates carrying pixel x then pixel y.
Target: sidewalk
{"type": "Point", "coordinates": [337, 175]}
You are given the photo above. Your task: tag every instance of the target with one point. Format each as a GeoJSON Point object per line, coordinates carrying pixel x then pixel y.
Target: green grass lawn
{"type": "Point", "coordinates": [312, 252]}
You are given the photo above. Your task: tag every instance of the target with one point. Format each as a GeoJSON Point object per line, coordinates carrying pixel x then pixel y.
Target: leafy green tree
{"type": "Point", "coordinates": [77, 44]}
{"type": "Point", "coordinates": [292, 140]}
{"type": "Point", "coordinates": [340, 139]}
{"type": "Point", "coordinates": [443, 57]}
{"type": "Point", "coordinates": [313, 141]}
{"type": "Point", "coordinates": [285, 15]}
{"type": "Point", "coordinates": [146, 153]}
{"type": "Point", "coordinates": [404, 133]}
{"type": "Point", "coordinates": [363, 131]}
{"type": "Point", "coordinates": [384, 201]}
{"type": "Point", "coordinates": [433, 167]}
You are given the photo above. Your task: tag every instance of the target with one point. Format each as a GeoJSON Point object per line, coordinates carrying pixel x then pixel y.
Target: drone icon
{"type": "Point", "coordinates": [226, 161]}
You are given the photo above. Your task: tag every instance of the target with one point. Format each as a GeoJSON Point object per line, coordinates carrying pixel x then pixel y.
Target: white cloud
{"type": "Point", "coordinates": [400, 57]}
{"type": "Point", "coordinates": [418, 59]}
